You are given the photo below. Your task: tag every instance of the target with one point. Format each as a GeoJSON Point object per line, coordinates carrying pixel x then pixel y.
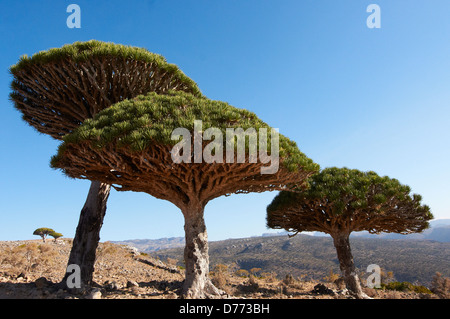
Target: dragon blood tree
{"type": "Point", "coordinates": [339, 201]}
{"type": "Point", "coordinates": [43, 232]}
{"type": "Point", "coordinates": [56, 90]}
{"type": "Point", "coordinates": [154, 144]}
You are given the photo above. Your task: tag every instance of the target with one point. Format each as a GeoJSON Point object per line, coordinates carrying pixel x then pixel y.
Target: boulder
{"type": "Point", "coordinates": [110, 285]}
{"type": "Point", "coordinates": [42, 283]}
{"type": "Point", "coordinates": [95, 294]}
{"type": "Point", "coordinates": [131, 283]}
{"type": "Point", "coordinates": [321, 289]}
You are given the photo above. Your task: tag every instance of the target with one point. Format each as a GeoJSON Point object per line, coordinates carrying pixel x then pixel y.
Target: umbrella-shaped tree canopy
{"type": "Point", "coordinates": [347, 200]}
{"type": "Point", "coordinates": [57, 89]}
{"type": "Point", "coordinates": [130, 147]}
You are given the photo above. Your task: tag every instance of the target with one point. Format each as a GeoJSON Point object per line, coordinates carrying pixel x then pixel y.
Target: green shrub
{"type": "Point", "coordinates": [405, 286]}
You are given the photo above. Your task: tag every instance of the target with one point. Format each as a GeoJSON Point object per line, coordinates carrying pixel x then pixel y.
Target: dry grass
{"type": "Point", "coordinates": [123, 274]}
{"type": "Point", "coordinates": [31, 259]}
{"type": "Point", "coordinates": [441, 286]}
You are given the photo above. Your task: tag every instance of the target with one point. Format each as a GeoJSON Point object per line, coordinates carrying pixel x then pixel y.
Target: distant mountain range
{"type": "Point", "coordinates": [413, 258]}
{"type": "Point", "coordinates": [152, 245]}
{"type": "Point", "coordinates": [439, 231]}
{"type": "Point", "coordinates": [313, 257]}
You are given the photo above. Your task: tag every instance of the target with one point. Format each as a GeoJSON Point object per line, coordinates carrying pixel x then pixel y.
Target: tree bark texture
{"type": "Point", "coordinates": [346, 264]}
{"type": "Point", "coordinates": [197, 284]}
{"type": "Point", "coordinates": [87, 235]}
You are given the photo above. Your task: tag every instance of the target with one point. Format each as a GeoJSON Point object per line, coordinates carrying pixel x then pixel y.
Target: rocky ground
{"type": "Point", "coordinates": [31, 270]}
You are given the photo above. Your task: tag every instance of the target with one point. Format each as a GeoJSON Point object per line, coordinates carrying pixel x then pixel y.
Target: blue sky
{"type": "Point", "coordinates": [370, 99]}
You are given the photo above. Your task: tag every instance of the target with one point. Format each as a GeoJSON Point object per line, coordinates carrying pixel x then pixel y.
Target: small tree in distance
{"type": "Point", "coordinates": [43, 232]}
{"type": "Point", "coordinates": [55, 235]}
{"type": "Point", "coordinates": [340, 201]}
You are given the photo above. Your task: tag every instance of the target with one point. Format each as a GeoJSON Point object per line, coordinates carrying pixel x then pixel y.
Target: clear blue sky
{"type": "Point", "coordinates": [370, 99]}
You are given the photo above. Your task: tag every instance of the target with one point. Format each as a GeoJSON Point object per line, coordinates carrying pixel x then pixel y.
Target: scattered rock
{"type": "Point", "coordinates": [133, 250]}
{"type": "Point", "coordinates": [110, 285]}
{"type": "Point", "coordinates": [172, 295]}
{"type": "Point", "coordinates": [135, 291]}
{"type": "Point", "coordinates": [158, 264]}
{"type": "Point", "coordinates": [22, 275]}
{"type": "Point", "coordinates": [321, 289]}
{"type": "Point", "coordinates": [42, 283]}
{"type": "Point", "coordinates": [342, 292]}
{"type": "Point", "coordinates": [95, 294]}
{"type": "Point", "coordinates": [131, 283]}
{"type": "Point", "coordinates": [340, 283]}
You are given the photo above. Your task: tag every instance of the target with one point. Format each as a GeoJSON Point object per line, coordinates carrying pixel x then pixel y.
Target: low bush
{"type": "Point", "coordinates": [405, 286]}
{"type": "Point", "coordinates": [441, 286]}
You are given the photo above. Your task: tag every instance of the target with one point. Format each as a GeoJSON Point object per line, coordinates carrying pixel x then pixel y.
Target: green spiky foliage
{"type": "Point", "coordinates": [55, 235]}
{"type": "Point", "coordinates": [133, 129]}
{"type": "Point", "coordinates": [346, 200]}
{"type": "Point", "coordinates": [57, 89]}
{"type": "Point", "coordinates": [150, 119]}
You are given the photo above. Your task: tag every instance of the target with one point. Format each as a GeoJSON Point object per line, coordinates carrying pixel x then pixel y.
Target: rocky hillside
{"type": "Point", "coordinates": [439, 231]}
{"type": "Point", "coordinates": [32, 269]}
{"type": "Point", "coordinates": [313, 257]}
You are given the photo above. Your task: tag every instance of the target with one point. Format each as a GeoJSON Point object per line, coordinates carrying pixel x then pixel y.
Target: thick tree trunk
{"type": "Point", "coordinates": [197, 284]}
{"type": "Point", "coordinates": [87, 235]}
{"type": "Point", "coordinates": [347, 266]}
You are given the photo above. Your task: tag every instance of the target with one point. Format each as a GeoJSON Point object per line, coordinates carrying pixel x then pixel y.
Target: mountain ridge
{"type": "Point", "coordinates": [314, 257]}
{"type": "Point", "coordinates": [439, 231]}
{"type": "Point", "coordinates": [413, 258]}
